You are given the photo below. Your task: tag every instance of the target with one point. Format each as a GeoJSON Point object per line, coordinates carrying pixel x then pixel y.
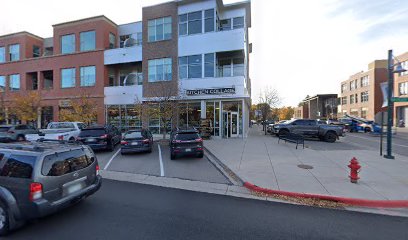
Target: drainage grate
{"type": "Point", "coordinates": [304, 166]}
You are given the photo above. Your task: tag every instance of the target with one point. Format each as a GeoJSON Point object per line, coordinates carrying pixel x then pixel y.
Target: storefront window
{"type": "Point", "coordinates": [194, 114]}
{"type": "Point", "coordinates": [124, 117]}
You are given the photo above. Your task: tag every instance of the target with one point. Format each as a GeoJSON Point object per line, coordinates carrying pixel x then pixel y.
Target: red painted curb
{"type": "Point", "coordinates": [348, 201]}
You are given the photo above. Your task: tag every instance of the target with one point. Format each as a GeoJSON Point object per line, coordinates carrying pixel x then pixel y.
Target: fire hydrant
{"type": "Point", "coordinates": [354, 170]}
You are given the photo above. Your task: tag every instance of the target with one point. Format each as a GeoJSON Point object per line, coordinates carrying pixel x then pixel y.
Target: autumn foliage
{"type": "Point", "coordinates": [26, 107]}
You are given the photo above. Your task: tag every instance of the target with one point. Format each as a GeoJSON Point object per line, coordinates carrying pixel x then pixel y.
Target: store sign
{"type": "Point", "coordinates": [65, 103]}
{"type": "Point", "coordinates": [212, 91]}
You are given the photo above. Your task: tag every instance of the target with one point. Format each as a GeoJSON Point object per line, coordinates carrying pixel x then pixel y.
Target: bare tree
{"type": "Point", "coordinates": [268, 99]}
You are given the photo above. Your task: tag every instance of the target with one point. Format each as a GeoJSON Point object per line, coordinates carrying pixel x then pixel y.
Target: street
{"type": "Point", "coordinates": [122, 210]}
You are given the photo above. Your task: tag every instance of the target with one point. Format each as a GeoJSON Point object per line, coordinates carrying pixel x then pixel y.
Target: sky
{"type": "Point", "coordinates": [299, 47]}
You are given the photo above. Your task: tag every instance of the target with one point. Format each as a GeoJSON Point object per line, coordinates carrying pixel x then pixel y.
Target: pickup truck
{"type": "Point", "coordinates": [309, 128]}
{"type": "Point", "coordinates": [58, 131]}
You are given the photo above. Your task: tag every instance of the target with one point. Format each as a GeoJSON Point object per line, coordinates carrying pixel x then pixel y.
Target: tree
{"type": "Point", "coordinates": [286, 113]}
{"type": "Point", "coordinates": [80, 109]}
{"type": "Point", "coordinates": [268, 99]}
{"type": "Point", "coordinates": [27, 107]}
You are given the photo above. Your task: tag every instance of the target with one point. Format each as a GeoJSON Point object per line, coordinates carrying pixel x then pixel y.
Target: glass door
{"type": "Point", "coordinates": [234, 124]}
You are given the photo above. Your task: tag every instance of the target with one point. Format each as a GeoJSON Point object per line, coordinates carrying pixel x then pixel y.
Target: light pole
{"type": "Point", "coordinates": [390, 110]}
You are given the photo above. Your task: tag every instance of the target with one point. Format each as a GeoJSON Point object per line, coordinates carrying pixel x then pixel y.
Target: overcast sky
{"type": "Point", "coordinates": [299, 47]}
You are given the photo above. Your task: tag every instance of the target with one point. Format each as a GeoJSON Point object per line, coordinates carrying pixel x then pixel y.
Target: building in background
{"type": "Point", "coordinates": [401, 90]}
{"type": "Point", "coordinates": [361, 94]}
{"type": "Point", "coordinates": [301, 111]}
{"type": "Point", "coordinates": [320, 106]}
{"type": "Point", "coordinates": [197, 49]}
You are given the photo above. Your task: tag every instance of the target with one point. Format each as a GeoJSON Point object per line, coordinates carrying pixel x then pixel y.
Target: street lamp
{"type": "Point", "coordinates": [390, 110]}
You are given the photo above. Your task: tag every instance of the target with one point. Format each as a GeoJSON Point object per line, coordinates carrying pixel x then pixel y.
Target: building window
{"type": "Point", "coordinates": [353, 84]}
{"type": "Point", "coordinates": [404, 65]}
{"type": "Point", "coordinates": [343, 88]}
{"type": "Point", "coordinates": [14, 51]}
{"type": "Point", "coordinates": [364, 96]}
{"type": "Point", "coordinates": [209, 65]}
{"type": "Point", "coordinates": [229, 67]}
{"type": "Point", "coordinates": [209, 20]}
{"type": "Point", "coordinates": [87, 40]}
{"type": "Point", "coordinates": [225, 24]}
{"type": "Point", "coordinates": [352, 99]}
{"type": "Point", "coordinates": [2, 54]}
{"type": "Point", "coordinates": [2, 83]}
{"type": "Point", "coordinates": [36, 51]}
{"type": "Point", "coordinates": [112, 41]}
{"type": "Point", "coordinates": [190, 67]}
{"type": "Point", "coordinates": [68, 78]}
{"type": "Point", "coordinates": [238, 67]}
{"type": "Point", "coordinates": [356, 98]}
{"type": "Point", "coordinates": [14, 82]}
{"type": "Point", "coordinates": [159, 29]}
{"type": "Point", "coordinates": [88, 76]}
{"type": "Point", "coordinates": [190, 23]}
{"type": "Point", "coordinates": [344, 101]}
{"type": "Point", "coordinates": [68, 44]}
{"type": "Point", "coordinates": [160, 70]}
{"type": "Point", "coordinates": [364, 81]}
{"type": "Point", "coordinates": [238, 22]}
{"type": "Point", "coordinates": [403, 88]}
{"type": "Point", "coordinates": [363, 112]}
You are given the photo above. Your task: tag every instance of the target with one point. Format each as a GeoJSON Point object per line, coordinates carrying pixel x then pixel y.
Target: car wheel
{"type": "Point", "coordinates": [4, 220]}
{"type": "Point", "coordinates": [111, 147]}
{"type": "Point", "coordinates": [283, 132]}
{"type": "Point", "coordinates": [330, 137]}
{"type": "Point", "coordinates": [367, 129]}
{"type": "Point", "coordinates": [20, 138]}
{"type": "Point", "coordinates": [201, 155]}
{"type": "Point", "coordinates": [150, 150]}
{"type": "Point", "coordinates": [172, 156]}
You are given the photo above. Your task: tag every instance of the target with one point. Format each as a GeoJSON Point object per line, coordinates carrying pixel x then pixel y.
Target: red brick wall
{"type": "Point", "coordinates": [26, 42]}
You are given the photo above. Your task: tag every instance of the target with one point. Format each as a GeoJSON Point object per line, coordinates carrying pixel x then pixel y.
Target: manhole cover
{"type": "Point", "coordinates": [304, 166]}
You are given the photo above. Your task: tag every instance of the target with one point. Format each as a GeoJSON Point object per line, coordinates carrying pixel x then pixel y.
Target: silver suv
{"type": "Point", "coordinates": [37, 179]}
{"type": "Point", "coordinates": [10, 133]}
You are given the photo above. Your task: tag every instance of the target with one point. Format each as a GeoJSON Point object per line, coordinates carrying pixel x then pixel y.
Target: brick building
{"type": "Point", "coordinates": [361, 94]}
{"type": "Point", "coordinates": [197, 49]}
{"type": "Point", "coordinates": [401, 90]}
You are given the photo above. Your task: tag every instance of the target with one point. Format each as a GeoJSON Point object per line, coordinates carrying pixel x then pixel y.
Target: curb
{"type": "Point", "coordinates": [347, 201]}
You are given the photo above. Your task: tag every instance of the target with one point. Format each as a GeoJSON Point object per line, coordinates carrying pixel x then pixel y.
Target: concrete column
{"type": "Point", "coordinates": [203, 109]}
{"type": "Point", "coordinates": [39, 118]}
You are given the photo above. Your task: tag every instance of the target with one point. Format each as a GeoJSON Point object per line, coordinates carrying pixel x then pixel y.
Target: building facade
{"type": "Point", "coordinates": [195, 51]}
{"type": "Point", "coordinates": [320, 106]}
{"type": "Point", "coordinates": [401, 90]}
{"type": "Point", "coordinates": [361, 94]}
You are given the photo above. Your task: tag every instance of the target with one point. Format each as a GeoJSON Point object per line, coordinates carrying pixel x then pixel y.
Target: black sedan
{"type": "Point", "coordinates": [137, 141]}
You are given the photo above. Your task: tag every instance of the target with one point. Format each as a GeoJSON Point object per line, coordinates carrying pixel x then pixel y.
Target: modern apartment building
{"type": "Point", "coordinates": [198, 51]}
{"type": "Point", "coordinates": [320, 106]}
{"type": "Point", "coordinates": [361, 94]}
{"type": "Point", "coordinates": [401, 90]}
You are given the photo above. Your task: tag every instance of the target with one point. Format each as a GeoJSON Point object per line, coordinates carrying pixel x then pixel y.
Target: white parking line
{"type": "Point", "coordinates": [161, 161]}
{"type": "Point", "coordinates": [110, 160]}
{"type": "Point", "coordinates": [372, 140]}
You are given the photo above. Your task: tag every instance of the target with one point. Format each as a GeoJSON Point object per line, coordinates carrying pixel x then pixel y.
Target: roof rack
{"type": "Point", "coordinates": [42, 140]}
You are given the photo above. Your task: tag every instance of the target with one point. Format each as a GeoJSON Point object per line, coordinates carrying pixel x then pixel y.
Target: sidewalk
{"type": "Point", "coordinates": [260, 160]}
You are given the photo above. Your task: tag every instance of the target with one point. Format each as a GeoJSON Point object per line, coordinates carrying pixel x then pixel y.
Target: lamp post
{"type": "Point", "coordinates": [390, 108]}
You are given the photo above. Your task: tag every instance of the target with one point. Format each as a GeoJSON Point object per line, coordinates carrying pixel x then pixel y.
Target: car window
{"type": "Point", "coordinates": [133, 135]}
{"type": "Point", "coordinates": [4, 129]}
{"type": "Point", "coordinates": [20, 127]}
{"type": "Point", "coordinates": [66, 162]}
{"type": "Point", "coordinates": [61, 125]}
{"type": "Point", "coordinates": [313, 122]}
{"type": "Point", "coordinates": [18, 166]}
{"type": "Point", "coordinates": [186, 136]}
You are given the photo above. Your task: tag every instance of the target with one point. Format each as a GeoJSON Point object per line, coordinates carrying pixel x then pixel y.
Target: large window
{"type": "Point", "coordinates": [364, 96]}
{"type": "Point", "coordinates": [190, 67]}
{"type": "Point", "coordinates": [14, 82]}
{"type": "Point", "coordinates": [343, 87]}
{"type": "Point", "coordinates": [112, 41]}
{"type": "Point", "coordinates": [403, 88]}
{"type": "Point", "coordinates": [209, 20]}
{"type": "Point", "coordinates": [225, 24]}
{"type": "Point", "coordinates": [160, 70]}
{"type": "Point", "coordinates": [68, 78]}
{"type": "Point", "coordinates": [238, 22]}
{"type": "Point", "coordinates": [190, 23]}
{"type": "Point", "coordinates": [88, 76]}
{"type": "Point", "coordinates": [159, 29]}
{"type": "Point", "coordinates": [36, 51]}
{"type": "Point", "coordinates": [344, 101]}
{"type": "Point", "coordinates": [365, 81]}
{"type": "Point", "coordinates": [68, 44]}
{"type": "Point", "coordinates": [352, 99]}
{"type": "Point", "coordinates": [229, 67]}
{"type": "Point", "coordinates": [2, 83]}
{"type": "Point", "coordinates": [2, 54]}
{"type": "Point", "coordinates": [87, 41]}
{"type": "Point", "coordinates": [404, 65]}
{"type": "Point", "coordinates": [209, 66]}
{"type": "Point", "coordinates": [14, 51]}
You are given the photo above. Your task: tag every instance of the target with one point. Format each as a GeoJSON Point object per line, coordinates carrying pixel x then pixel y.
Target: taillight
{"type": "Point", "coordinates": [97, 169]}
{"type": "Point", "coordinates": [35, 191]}
{"type": "Point", "coordinates": [60, 137]}
{"type": "Point", "coordinates": [123, 142]}
{"type": "Point", "coordinates": [199, 140]}
{"type": "Point", "coordinates": [146, 141]}
{"type": "Point", "coordinates": [104, 136]}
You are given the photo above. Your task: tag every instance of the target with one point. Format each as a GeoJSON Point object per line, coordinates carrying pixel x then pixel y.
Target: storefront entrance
{"type": "Point", "coordinates": [231, 124]}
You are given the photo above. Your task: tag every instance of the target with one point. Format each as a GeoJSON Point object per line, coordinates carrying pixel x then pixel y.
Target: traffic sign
{"type": "Point", "coordinates": [401, 99]}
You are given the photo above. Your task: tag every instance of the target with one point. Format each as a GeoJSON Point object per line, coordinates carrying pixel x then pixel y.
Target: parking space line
{"type": "Point", "coordinates": [110, 160]}
{"type": "Point", "coordinates": [372, 140]}
{"type": "Point", "coordinates": [161, 161]}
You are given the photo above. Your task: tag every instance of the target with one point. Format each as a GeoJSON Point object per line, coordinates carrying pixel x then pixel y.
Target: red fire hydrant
{"type": "Point", "coordinates": [354, 170]}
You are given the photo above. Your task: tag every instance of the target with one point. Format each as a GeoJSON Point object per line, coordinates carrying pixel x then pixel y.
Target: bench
{"type": "Point", "coordinates": [293, 138]}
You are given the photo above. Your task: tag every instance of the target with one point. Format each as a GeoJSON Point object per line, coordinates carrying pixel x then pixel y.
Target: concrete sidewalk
{"type": "Point", "coordinates": [260, 160]}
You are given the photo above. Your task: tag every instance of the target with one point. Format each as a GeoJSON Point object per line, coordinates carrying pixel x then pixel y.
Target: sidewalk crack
{"type": "Point", "coordinates": [273, 169]}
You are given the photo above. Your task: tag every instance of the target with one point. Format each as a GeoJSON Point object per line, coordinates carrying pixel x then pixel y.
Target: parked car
{"type": "Point", "coordinates": [309, 128]}
{"type": "Point", "coordinates": [58, 131]}
{"type": "Point", "coordinates": [137, 141]}
{"type": "Point", "coordinates": [269, 128]}
{"type": "Point", "coordinates": [40, 178]}
{"type": "Point", "coordinates": [104, 137]}
{"type": "Point", "coordinates": [10, 133]}
{"type": "Point", "coordinates": [186, 142]}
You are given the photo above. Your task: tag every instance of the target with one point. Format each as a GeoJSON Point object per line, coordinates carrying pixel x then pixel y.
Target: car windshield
{"type": "Point", "coordinates": [61, 125]}
{"type": "Point", "coordinates": [186, 136]}
{"type": "Point", "coordinates": [133, 135]}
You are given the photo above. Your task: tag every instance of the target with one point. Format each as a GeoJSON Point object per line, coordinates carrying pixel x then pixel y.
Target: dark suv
{"type": "Point", "coordinates": [39, 178]}
{"type": "Point", "coordinates": [186, 142]}
{"type": "Point", "coordinates": [100, 137]}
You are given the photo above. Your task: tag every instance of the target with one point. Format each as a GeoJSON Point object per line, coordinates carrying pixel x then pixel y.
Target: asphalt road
{"type": "Point", "coordinates": [158, 163]}
{"type": "Point", "coordinates": [123, 210]}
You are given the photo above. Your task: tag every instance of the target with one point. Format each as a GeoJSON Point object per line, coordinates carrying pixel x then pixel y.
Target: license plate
{"type": "Point", "coordinates": [91, 140]}
{"type": "Point", "coordinates": [188, 149]}
{"type": "Point", "coordinates": [74, 188]}
{"type": "Point", "coordinates": [134, 143]}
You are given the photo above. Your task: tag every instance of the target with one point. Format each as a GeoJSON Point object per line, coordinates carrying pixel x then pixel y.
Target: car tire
{"type": "Point", "coordinates": [330, 137]}
{"type": "Point", "coordinates": [367, 129]}
{"type": "Point", "coordinates": [111, 147]}
{"type": "Point", "coordinates": [20, 138]}
{"type": "Point", "coordinates": [150, 150]}
{"type": "Point", "coordinates": [172, 156]}
{"type": "Point", "coordinates": [201, 155]}
{"type": "Point", "coordinates": [4, 220]}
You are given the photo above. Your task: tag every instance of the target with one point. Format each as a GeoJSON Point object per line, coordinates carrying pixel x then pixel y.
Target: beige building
{"type": "Point", "coordinates": [361, 94]}
{"type": "Point", "coordinates": [401, 90]}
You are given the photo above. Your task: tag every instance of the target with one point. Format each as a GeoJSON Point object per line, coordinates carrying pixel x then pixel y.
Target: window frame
{"type": "Point", "coordinates": [12, 81]}
{"type": "Point", "coordinates": [153, 26]}
{"type": "Point", "coordinates": [83, 43]}
{"type": "Point", "coordinates": [152, 64]}
{"type": "Point", "coordinates": [11, 53]}
{"type": "Point", "coordinates": [238, 26]}
{"type": "Point", "coordinates": [82, 76]}
{"type": "Point", "coordinates": [112, 36]}
{"type": "Point", "coordinates": [72, 44]}
{"type": "Point", "coordinates": [74, 78]}
{"type": "Point", "coordinates": [2, 80]}
{"type": "Point", "coordinates": [2, 54]}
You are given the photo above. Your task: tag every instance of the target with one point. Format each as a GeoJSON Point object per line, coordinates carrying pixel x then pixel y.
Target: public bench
{"type": "Point", "coordinates": [293, 138]}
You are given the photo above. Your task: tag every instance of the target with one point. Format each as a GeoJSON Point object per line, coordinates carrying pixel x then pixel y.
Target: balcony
{"type": "Point", "coordinates": [220, 41]}
{"type": "Point", "coordinates": [123, 95]}
{"type": "Point", "coordinates": [123, 55]}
